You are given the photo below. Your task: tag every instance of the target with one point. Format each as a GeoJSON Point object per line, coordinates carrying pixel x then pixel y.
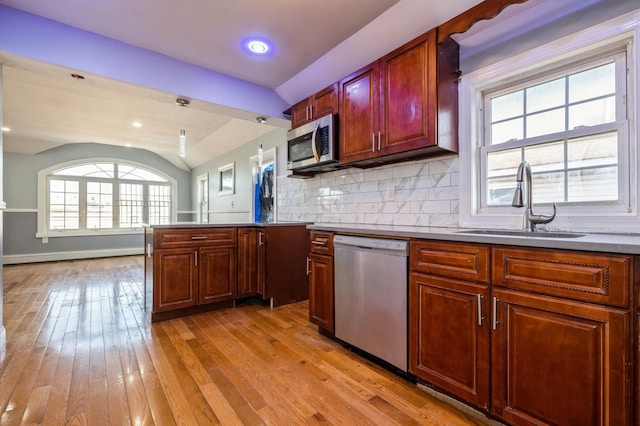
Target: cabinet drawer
{"type": "Point", "coordinates": [591, 277]}
{"type": "Point", "coordinates": [462, 261]}
{"type": "Point", "coordinates": [321, 242]}
{"type": "Point", "coordinates": [191, 237]}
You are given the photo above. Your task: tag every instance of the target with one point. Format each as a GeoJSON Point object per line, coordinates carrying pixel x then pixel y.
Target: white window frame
{"type": "Point", "coordinates": [43, 230]}
{"type": "Point", "coordinates": [471, 89]}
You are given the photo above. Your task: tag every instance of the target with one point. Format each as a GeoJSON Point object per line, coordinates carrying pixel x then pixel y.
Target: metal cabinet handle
{"type": "Point", "coordinates": [196, 258]}
{"type": "Point", "coordinates": [308, 269]}
{"type": "Point", "coordinates": [379, 138]}
{"type": "Point", "coordinates": [494, 316]}
{"type": "Point", "coordinates": [260, 242]}
{"type": "Point", "coordinates": [479, 300]}
{"type": "Point", "coordinates": [373, 142]}
{"type": "Point", "coordinates": [198, 237]}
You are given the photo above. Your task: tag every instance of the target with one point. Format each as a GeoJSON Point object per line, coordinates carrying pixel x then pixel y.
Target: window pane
{"type": "Point", "coordinates": [545, 157]}
{"type": "Point", "coordinates": [593, 151]}
{"type": "Point", "coordinates": [501, 172]}
{"type": "Point", "coordinates": [64, 208]}
{"type": "Point", "coordinates": [159, 204]}
{"type": "Point", "coordinates": [102, 170]}
{"type": "Point", "coordinates": [546, 96]}
{"type": "Point", "coordinates": [507, 106]}
{"type": "Point", "coordinates": [593, 168]}
{"type": "Point", "coordinates": [99, 205]}
{"type": "Point", "coordinates": [136, 173]}
{"type": "Point", "coordinates": [507, 131]}
{"type": "Point", "coordinates": [599, 184]}
{"type": "Point", "coordinates": [545, 123]}
{"type": "Point", "coordinates": [599, 81]}
{"type": "Point", "coordinates": [593, 113]}
{"type": "Point", "coordinates": [131, 205]}
{"type": "Point", "coordinates": [547, 171]}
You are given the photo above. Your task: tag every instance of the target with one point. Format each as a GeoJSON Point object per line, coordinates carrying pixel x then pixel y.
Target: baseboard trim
{"type": "Point", "coordinates": [14, 259]}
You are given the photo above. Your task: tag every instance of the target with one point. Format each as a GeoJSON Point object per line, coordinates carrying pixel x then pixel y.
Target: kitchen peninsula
{"type": "Point", "coordinates": [192, 268]}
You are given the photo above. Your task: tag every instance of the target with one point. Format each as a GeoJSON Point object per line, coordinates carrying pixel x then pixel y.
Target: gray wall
{"type": "Point", "coordinates": [529, 38]}
{"type": "Point", "coordinates": [20, 189]}
{"type": "Point", "coordinates": [237, 207]}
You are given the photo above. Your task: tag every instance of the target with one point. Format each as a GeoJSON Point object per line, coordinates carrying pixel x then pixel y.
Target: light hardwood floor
{"type": "Point", "coordinates": [81, 351]}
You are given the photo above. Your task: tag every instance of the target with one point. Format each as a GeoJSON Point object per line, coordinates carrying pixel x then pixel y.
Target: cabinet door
{"type": "Point", "coordinates": [217, 268]}
{"type": "Point", "coordinates": [300, 113]}
{"type": "Point", "coordinates": [359, 115]}
{"type": "Point", "coordinates": [325, 102]}
{"type": "Point", "coordinates": [408, 92]}
{"type": "Point", "coordinates": [449, 335]}
{"type": "Point", "coordinates": [175, 277]}
{"type": "Point", "coordinates": [247, 262]}
{"type": "Point", "coordinates": [559, 362]}
{"type": "Point", "coordinates": [321, 291]}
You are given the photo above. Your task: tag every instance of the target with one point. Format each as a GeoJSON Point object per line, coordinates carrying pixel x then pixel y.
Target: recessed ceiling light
{"type": "Point", "coordinates": [136, 124]}
{"type": "Point", "coordinates": [6, 129]}
{"type": "Point", "coordinates": [257, 46]}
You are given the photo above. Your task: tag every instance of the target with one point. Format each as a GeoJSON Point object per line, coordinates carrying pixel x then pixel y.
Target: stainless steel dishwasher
{"type": "Point", "coordinates": [371, 296]}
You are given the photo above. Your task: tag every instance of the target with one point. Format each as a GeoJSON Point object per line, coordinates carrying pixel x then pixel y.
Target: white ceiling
{"type": "Point", "coordinates": [315, 42]}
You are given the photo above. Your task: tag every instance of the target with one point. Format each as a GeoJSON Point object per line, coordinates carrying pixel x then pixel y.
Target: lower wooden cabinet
{"type": "Point", "coordinates": [449, 335]}
{"type": "Point", "coordinates": [549, 339]}
{"type": "Point", "coordinates": [217, 269]}
{"type": "Point", "coordinates": [321, 298]}
{"type": "Point", "coordinates": [320, 271]}
{"type": "Point", "coordinates": [248, 262]}
{"type": "Point", "coordinates": [559, 362]}
{"type": "Point", "coordinates": [175, 279]}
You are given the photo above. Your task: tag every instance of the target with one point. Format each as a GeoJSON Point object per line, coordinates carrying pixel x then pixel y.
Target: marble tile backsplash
{"type": "Point", "coordinates": [417, 193]}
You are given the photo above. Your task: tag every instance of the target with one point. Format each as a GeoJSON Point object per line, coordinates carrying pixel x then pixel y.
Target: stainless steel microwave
{"type": "Point", "coordinates": [313, 146]}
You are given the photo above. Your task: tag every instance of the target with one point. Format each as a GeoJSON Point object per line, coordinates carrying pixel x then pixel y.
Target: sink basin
{"type": "Point", "coordinates": [508, 232]}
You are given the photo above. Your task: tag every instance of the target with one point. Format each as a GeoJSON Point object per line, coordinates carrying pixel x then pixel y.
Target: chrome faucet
{"type": "Point", "coordinates": [530, 219]}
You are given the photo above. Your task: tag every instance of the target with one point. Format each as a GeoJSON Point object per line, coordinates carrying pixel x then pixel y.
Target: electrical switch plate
{"type": "Point", "coordinates": [391, 194]}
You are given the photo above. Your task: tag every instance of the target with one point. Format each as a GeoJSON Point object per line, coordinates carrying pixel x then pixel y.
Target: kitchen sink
{"type": "Point", "coordinates": [508, 232]}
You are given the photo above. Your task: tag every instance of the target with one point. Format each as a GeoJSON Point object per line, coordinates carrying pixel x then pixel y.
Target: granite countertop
{"type": "Point", "coordinates": [606, 243]}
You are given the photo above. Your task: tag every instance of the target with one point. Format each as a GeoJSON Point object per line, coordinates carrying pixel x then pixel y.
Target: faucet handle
{"type": "Point", "coordinates": [540, 218]}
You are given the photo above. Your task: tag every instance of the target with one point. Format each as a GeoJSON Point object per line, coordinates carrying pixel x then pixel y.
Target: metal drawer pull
{"type": "Point", "coordinates": [479, 299]}
{"type": "Point", "coordinates": [319, 242]}
{"type": "Point", "coordinates": [494, 319]}
{"type": "Point", "coordinates": [198, 237]}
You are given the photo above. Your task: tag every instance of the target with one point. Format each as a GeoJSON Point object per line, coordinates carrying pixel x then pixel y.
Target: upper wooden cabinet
{"type": "Point", "coordinates": [322, 103]}
{"type": "Point", "coordinates": [403, 105]}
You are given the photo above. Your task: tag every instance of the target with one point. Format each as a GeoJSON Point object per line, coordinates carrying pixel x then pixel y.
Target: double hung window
{"type": "Point", "coordinates": [568, 108]}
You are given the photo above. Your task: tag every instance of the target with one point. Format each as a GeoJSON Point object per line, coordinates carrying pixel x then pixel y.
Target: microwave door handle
{"type": "Point", "coordinates": [314, 148]}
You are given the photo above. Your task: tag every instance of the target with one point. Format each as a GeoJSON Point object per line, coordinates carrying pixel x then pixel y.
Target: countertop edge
{"type": "Point", "coordinates": [604, 243]}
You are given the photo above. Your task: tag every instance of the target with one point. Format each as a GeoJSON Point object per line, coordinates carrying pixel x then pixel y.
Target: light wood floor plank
{"type": "Point", "coordinates": [81, 350]}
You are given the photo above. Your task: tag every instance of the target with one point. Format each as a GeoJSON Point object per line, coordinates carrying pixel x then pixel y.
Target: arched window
{"type": "Point", "coordinates": [103, 195]}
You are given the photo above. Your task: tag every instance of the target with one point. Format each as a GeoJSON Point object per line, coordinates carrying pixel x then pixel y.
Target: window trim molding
{"type": "Point", "coordinates": [471, 126]}
{"type": "Point", "coordinates": [43, 232]}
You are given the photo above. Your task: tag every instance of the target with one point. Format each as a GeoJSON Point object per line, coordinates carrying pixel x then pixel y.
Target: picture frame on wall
{"type": "Point", "coordinates": [227, 179]}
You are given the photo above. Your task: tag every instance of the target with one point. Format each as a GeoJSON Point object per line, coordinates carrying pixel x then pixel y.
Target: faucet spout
{"type": "Point", "coordinates": [530, 219]}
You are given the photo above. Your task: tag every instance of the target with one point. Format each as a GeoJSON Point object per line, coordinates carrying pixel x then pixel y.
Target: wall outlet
{"type": "Point", "coordinates": [391, 194]}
